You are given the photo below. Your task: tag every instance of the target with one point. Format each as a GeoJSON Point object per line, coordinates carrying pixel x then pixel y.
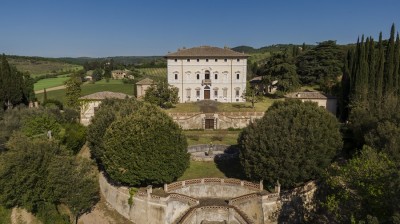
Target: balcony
{"type": "Point", "coordinates": [206, 82]}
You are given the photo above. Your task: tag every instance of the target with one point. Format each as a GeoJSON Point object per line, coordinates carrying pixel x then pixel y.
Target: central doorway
{"type": "Point", "coordinates": [209, 124]}
{"type": "Point", "coordinates": [207, 93]}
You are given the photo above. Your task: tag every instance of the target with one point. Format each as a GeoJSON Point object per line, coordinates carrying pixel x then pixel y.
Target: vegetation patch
{"type": "Point", "coordinates": [5, 215]}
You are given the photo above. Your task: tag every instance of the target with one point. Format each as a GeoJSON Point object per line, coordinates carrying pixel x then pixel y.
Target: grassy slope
{"type": "Point", "coordinates": [40, 67]}
{"type": "Point", "coordinates": [50, 82]}
{"type": "Point", "coordinates": [113, 86]}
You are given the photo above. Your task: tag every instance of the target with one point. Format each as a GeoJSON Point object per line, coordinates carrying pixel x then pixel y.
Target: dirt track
{"type": "Point", "coordinates": [50, 89]}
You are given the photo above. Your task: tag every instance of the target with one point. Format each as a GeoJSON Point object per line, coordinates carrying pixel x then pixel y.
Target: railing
{"type": "Point", "coordinates": [233, 182]}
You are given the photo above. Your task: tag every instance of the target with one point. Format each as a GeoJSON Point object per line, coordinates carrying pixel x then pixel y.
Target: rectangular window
{"type": "Point", "coordinates": [225, 60]}
{"type": "Point", "coordinates": [216, 76]}
{"type": "Point", "coordinates": [176, 76]}
{"type": "Point", "coordinates": [237, 76]}
{"type": "Point", "coordinates": [215, 93]}
{"type": "Point", "coordinates": [225, 92]}
{"type": "Point", "coordinates": [237, 93]}
{"type": "Point", "coordinates": [216, 60]}
{"type": "Point", "coordinates": [198, 60]}
{"type": "Point", "coordinates": [176, 60]}
{"type": "Point", "coordinates": [198, 93]}
{"type": "Point", "coordinates": [188, 60]}
{"type": "Point", "coordinates": [238, 60]}
{"type": "Point", "coordinates": [207, 60]}
{"type": "Point", "coordinates": [188, 93]}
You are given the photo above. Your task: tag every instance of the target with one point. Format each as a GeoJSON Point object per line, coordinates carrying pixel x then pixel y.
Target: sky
{"type": "Point", "coordinates": [100, 28]}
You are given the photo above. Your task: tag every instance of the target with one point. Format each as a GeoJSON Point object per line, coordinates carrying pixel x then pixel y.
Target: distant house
{"type": "Point", "coordinates": [323, 100]}
{"type": "Point", "coordinates": [142, 86]}
{"type": "Point", "coordinates": [121, 74]}
{"type": "Point", "coordinates": [90, 103]}
{"type": "Point", "coordinates": [259, 85]}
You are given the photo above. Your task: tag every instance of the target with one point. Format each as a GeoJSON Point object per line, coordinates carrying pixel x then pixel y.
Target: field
{"type": "Point", "coordinates": [50, 82]}
{"type": "Point", "coordinates": [87, 88]}
{"type": "Point", "coordinates": [154, 72]}
{"type": "Point", "coordinates": [40, 67]}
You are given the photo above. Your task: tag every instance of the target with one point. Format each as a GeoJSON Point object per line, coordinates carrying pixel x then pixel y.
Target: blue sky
{"type": "Point", "coordinates": [97, 28]}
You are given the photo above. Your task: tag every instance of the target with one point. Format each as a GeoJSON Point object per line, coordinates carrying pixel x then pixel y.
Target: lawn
{"type": "Point", "coordinates": [224, 107]}
{"type": "Point", "coordinates": [221, 169]}
{"type": "Point", "coordinates": [87, 88]}
{"type": "Point", "coordinates": [50, 82]}
{"type": "Point", "coordinates": [199, 169]}
{"type": "Point", "coordinates": [220, 137]}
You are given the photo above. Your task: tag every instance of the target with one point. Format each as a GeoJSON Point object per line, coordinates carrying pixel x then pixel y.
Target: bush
{"type": "Point", "coordinates": [294, 142]}
{"type": "Point", "coordinates": [75, 136]}
{"type": "Point", "coordinates": [53, 103]}
{"type": "Point", "coordinates": [137, 143]}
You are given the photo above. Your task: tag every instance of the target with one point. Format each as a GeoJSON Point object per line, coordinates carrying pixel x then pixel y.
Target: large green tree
{"type": "Point", "coordinates": [73, 91]}
{"type": "Point", "coordinates": [15, 86]}
{"type": "Point", "coordinates": [281, 67]}
{"type": "Point", "coordinates": [162, 94]}
{"type": "Point", "coordinates": [365, 188]}
{"type": "Point", "coordinates": [137, 143]}
{"type": "Point", "coordinates": [293, 142]}
{"type": "Point", "coordinates": [321, 65]}
{"type": "Point", "coordinates": [36, 171]}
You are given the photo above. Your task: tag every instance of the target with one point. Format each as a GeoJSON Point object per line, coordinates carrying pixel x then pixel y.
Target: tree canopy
{"type": "Point", "coordinates": [15, 86]}
{"type": "Point", "coordinates": [162, 94]}
{"type": "Point", "coordinates": [36, 172]}
{"type": "Point", "coordinates": [137, 143]}
{"type": "Point", "coordinates": [293, 142]}
{"type": "Point", "coordinates": [321, 65]}
{"type": "Point", "coordinates": [281, 67]}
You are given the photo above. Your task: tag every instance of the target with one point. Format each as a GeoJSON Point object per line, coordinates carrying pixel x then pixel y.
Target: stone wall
{"type": "Point", "coordinates": [247, 203]}
{"type": "Point", "coordinates": [222, 120]}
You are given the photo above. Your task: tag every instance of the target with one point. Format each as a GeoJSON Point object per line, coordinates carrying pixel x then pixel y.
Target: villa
{"type": "Point", "coordinates": [208, 73]}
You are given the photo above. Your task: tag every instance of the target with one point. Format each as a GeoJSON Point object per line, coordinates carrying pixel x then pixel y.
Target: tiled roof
{"type": "Point", "coordinates": [145, 81]}
{"type": "Point", "coordinates": [206, 51]}
{"type": "Point", "coordinates": [105, 94]}
{"type": "Point", "coordinates": [308, 95]}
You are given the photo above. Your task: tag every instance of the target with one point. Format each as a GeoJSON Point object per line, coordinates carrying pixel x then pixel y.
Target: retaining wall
{"type": "Point", "coordinates": [222, 120]}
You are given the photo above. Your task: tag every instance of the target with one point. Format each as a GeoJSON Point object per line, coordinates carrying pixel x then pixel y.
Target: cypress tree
{"type": "Point", "coordinates": [379, 70]}
{"type": "Point", "coordinates": [371, 69]}
{"type": "Point", "coordinates": [389, 64]}
{"type": "Point", "coordinates": [396, 78]}
{"type": "Point", "coordinates": [44, 95]}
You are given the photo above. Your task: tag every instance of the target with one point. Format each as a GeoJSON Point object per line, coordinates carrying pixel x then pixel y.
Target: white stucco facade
{"type": "Point", "coordinates": [214, 73]}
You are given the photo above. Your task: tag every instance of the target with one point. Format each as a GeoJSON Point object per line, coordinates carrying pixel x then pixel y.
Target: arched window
{"type": "Point", "coordinates": [207, 74]}
{"type": "Point", "coordinates": [237, 76]}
